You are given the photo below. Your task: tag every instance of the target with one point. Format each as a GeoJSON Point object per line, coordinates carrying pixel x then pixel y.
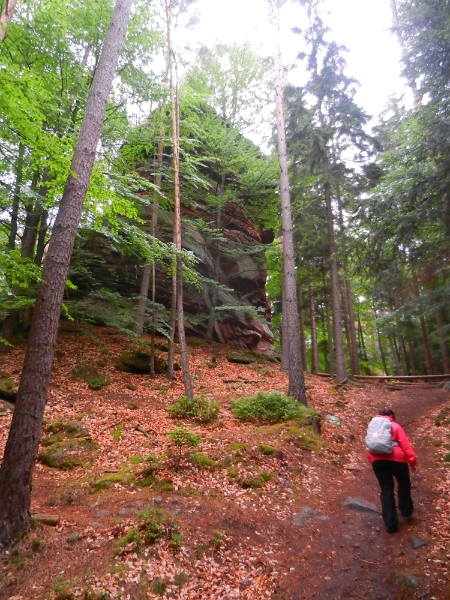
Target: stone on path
{"type": "Point", "coordinates": [409, 580]}
{"type": "Point", "coordinates": [306, 512]}
{"type": "Point", "coordinates": [101, 513]}
{"type": "Point", "coordinates": [333, 420]}
{"type": "Point", "coordinates": [73, 537]}
{"type": "Point", "coordinates": [361, 505]}
{"type": "Point", "coordinates": [417, 542]}
{"type": "Point", "coordinates": [47, 519]}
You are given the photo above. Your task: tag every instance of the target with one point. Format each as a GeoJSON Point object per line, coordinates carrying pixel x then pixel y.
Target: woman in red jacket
{"type": "Point", "coordinates": [395, 464]}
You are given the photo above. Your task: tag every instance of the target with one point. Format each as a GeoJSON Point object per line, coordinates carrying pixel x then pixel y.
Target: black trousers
{"type": "Point", "coordinates": [385, 471]}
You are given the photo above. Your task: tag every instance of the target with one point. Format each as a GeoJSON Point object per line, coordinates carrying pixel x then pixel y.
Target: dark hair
{"type": "Point", "coordinates": [387, 412]}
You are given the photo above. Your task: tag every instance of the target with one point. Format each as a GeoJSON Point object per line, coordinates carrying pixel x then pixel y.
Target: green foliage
{"type": "Point", "coordinates": [266, 449]}
{"type": "Point", "coordinates": [183, 438]}
{"type": "Point", "coordinates": [268, 407]}
{"type": "Point", "coordinates": [117, 432]}
{"type": "Point", "coordinates": [217, 539]}
{"type": "Point", "coordinates": [202, 460]}
{"type": "Point", "coordinates": [198, 408]}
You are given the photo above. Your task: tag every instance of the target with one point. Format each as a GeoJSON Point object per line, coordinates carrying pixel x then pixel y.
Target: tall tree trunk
{"type": "Point", "coordinates": [296, 382]}
{"type": "Point", "coordinates": [353, 349]}
{"type": "Point", "coordinates": [405, 355]}
{"type": "Point", "coordinates": [153, 232]}
{"type": "Point", "coordinates": [382, 354]}
{"type": "Point", "coordinates": [393, 354]}
{"type": "Point", "coordinates": [442, 344]}
{"type": "Point", "coordinates": [212, 317]}
{"type": "Point", "coordinates": [40, 246]}
{"type": "Point", "coordinates": [16, 198]}
{"type": "Point", "coordinates": [301, 316]}
{"type": "Point", "coordinates": [312, 317]}
{"type": "Point", "coordinates": [6, 16]}
{"type": "Point", "coordinates": [30, 233]}
{"type": "Point", "coordinates": [177, 218]}
{"type": "Point", "coordinates": [23, 440]}
{"type": "Point", "coordinates": [426, 346]}
{"type": "Point", "coordinates": [284, 319]}
{"type": "Point", "coordinates": [347, 298]}
{"type": "Point", "coordinates": [330, 342]}
{"type": "Point", "coordinates": [149, 267]}
{"type": "Point", "coordinates": [335, 302]}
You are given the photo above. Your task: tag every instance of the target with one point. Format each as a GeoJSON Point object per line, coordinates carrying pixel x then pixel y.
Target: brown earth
{"type": "Point", "coordinates": [238, 542]}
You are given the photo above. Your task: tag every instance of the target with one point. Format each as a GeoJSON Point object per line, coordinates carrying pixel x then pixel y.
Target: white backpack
{"type": "Point", "coordinates": [379, 436]}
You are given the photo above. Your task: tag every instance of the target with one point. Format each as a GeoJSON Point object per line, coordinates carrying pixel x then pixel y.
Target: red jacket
{"type": "Point", "coordinates": [401, 453]}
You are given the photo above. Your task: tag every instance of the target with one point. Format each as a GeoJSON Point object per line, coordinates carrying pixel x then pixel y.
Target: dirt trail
{"type": "Point", "coordinates": [348, 554]}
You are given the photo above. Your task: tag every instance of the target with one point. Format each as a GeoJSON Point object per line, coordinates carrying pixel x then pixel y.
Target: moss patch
{"type": "Point", "coordinates": [69, 454]}
{"type": "Point", "coordinates": [8, 389]}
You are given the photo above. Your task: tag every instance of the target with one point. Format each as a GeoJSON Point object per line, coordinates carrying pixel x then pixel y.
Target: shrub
{"type": "Point", "coordinates": [266, 449]}
{"type": "Point", "coordinates": [183, 437]}
{"type": "Point", "coordinates": [198, 408]}
{"type": "Point", "coordinates": [202, 460]}
{"type": "Point", "coordinates": [268, 407]}
{"type": "Point", "coordinates": [95, 383]}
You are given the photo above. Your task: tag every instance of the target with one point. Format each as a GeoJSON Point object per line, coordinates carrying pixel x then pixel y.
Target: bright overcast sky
{"type": "Point", "coordinates": [361, 25]}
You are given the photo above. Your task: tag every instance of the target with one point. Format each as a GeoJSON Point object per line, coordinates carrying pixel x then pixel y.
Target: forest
{"type": "Point", "coordinates": [133, 196]}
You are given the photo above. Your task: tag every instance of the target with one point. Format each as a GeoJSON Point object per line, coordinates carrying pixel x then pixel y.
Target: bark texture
{"type": "Point", "coordinates": [23, 440]}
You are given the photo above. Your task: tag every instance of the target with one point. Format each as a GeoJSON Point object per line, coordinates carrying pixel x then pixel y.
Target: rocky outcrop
{"type": "Point", "coordinates": [241, 275]}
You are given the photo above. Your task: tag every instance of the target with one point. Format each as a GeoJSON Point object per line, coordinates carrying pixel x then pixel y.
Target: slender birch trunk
{"type": "Point", "coordinates": [23, 440]}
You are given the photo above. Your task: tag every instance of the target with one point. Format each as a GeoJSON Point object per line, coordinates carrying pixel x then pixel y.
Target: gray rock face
{"type": "Point", "coordinates": [361, 505]}
{"type": "Point", "coordinates": [101, 513]}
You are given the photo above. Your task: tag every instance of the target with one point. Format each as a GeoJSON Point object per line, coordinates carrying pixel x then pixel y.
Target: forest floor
{"type": "Point", "coordinates": [294, 537]}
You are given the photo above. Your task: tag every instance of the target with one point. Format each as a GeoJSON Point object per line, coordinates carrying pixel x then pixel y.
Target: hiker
{"type": "Point", "coordinates": [392, 462]}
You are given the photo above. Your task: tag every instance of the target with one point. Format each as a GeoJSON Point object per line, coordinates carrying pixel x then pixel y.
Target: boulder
{"type": "Point", "coordinates": [75, 429]}
{"type": "Point", "coordinates": [69, 454]}
{"type": "Point", "coordinates": [8, 389]}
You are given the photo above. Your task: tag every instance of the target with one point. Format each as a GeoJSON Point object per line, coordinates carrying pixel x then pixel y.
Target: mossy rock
{"type": "Point", "coordinates": [138, 362]}
{"type": "Point", "coordinates": [53, 439]}
{"type": "Point", "coordinates": [8, 389]}
{"type": "Point", "coordinates": [194, 341]}
{"type": "Point", "coordinates": [83, 371]}
{"type": "Point", "coordinates": [104, 483]}
{"type": "Point", "coordinates": [242, 357]}
{"type": "Point", "coordinates": [69, 454]}
{"type": "Point", "coordinates": [75, 429]}
{"type": "Point", "coordinates": [6, 407]}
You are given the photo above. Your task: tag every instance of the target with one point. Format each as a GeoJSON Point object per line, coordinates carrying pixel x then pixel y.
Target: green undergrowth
{"type": "Point", "coordinates": [270, 407]}
{"type": "Point", "coordinates": [293, 432]}
{"type": "Point", "coordinates": [198, 408]}
{"type": "Point", "coordinates": [202, 460]}
{"type": "Point", "coordinates": [256, 482]}
{"type": "Point", "coordinates": [153, 524]}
